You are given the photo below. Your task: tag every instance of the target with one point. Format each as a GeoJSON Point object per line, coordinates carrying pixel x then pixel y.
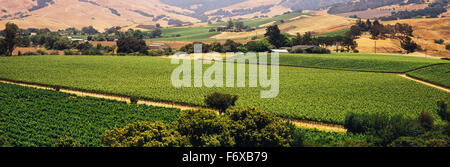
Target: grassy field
{"type": "Point", "coordinates": [262, 21]}
{"type": "Point", "coordinates": [33, 117]}
{"type": "Point", "coordinates": [203, 34]}
{"type": "Point", "coordinates": [439, 74]}
{"type": "Point", "coordinates": [186, 34]}
{"type": "Point", "coordinates": [311, 94]}
{"type": "Point", "coordinates": [334, 33]}
{"type": "Point", "coordinates": [358, 62]}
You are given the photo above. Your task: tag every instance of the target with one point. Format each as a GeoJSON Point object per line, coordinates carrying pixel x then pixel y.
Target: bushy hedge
{"type": "Point", "coordinates": [316, 50]}
{"type": "Point", "coordinates": [144, 134]}
{"type": "Point", "coordinates": [382, 126]}
{"type": "Point", "coordinates": [67, 142]}
{"type": "Point", "coordinates": [203, 128]}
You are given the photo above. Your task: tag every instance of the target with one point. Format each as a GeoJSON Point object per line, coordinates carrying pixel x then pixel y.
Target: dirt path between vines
{"type": "Point", "coordinates": [425, 83]}
{"type": "Point", "coordinates": [299, 123]}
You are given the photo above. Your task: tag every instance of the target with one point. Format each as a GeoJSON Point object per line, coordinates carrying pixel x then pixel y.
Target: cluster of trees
{"type": "Point", "coordinates": [432, 11]}
{"type": "Point", "coordinates": [233, 27]}
{"type": "Point", "coordinates": [402, 32]}
{"type": "Point", "coordinates": [110, 34]}
{"type": "Point", "coordinates": [228, 46]}
{"type": "Point", "coordinates": [278, 40]}
{"type": "Point", "coordinates": [366, 4]}
{"type": "Point", "coordinates": [130, 42]}
{"type": "Point", "coordinates": [236, 128]}
{"type": "Point", "coordinates": [397, 131]}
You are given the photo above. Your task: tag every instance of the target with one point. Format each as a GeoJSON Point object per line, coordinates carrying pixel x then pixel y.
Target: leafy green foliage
{"type": "Point", "coordinates": [259, 46]}
{"type": "Point", "coordinates": [443, 111]}
{"type": "Point", "coordinates": [205, 128]}
{"type": "Point", "coordinates": [426, 121]}
{"type": "Point", "coordinates": [221, 101]}
{"type": "Point", "coordinates": [144, 134]}
{"type": "Point", "coordinates": [316, 138]}
{"type": "Point", "coordinates": [39, 118]}
{"type": "Point", "coordinates": [275, 37]}
{"type": "Point", "coordinates": [253, 127]}
{"type": "Point", "coordinates": [382, 126]}
{"type": "Point", "coordinates": [67, 142]}
{"type": "Point", "coordinates": [131, 45]}
{"type": "Point", "coordinates": [430, 139]}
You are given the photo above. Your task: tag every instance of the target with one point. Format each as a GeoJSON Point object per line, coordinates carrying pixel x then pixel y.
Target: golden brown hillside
{"type": "Point", "coordinates": [425, 32]}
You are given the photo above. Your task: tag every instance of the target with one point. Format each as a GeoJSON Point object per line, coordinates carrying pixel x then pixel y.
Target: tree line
{"type": "Point", "coordinates": [432, 11]}
{"type": "Point", "coordinates": [402, 32]}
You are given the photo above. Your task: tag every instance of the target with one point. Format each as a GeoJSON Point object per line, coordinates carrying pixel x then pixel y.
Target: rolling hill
{"type": "Point", "coordinates": [60, 14]}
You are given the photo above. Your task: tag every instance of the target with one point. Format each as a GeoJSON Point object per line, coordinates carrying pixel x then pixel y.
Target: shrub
{"type": "Point", "coordinates": [356, 122]}
{"type": "Point", "coordinates": [385, 129]}
{"type": "Point", "coordinates": [443, 110]}
{"type": "Point", "coordinates": [144, 134]}
{"type": "Point", "coordinates": [259, 46]}
{"type": "Point", "coordinates": [320, 50]}
{"type": "Point", "coordinates": [30, 54]}
{"type": "Point", "coordinates": [356, 51]}
{"type": "Point", "coordinates": [447, 47]}
{"type": "Point", "coordinates": [429, 139]}
{"type": "Point", "coordinates": [205, 128]}
{"type": "Point", "coordinates": [297, 136]}
{"type": "Point", "coordinates": [54, 53]}
{"type": "Point", "coordinates": [298, 50]}
{"type": "Point", "coordinates": [440, 41]}
{"type": "Point", "coordinates": [70, 52]}
{"type": "Point", "coordinates": [426, 121]}
{"type": "Point", "coordinates": [242, 49]}
{"type": "Point", "coordinates": [155, 52]}
{"type": "Point", "coordinates": [41, 52]}
{"type": "Point", "coordinates": [67, 142]}
{"type": "Point", "coordinates": [221, 101]}
{"type": "Point", "coordinates": [91, 51]}
{"type": "Point", "coordinates": [255, 128]}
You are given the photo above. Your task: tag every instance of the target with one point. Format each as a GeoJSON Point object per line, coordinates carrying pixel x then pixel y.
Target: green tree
{"type": "Point", "coordinates": [144, 134]}
{"type": "Point", "coordinates": [426, 121]}
{"type": "Point", "coordinates": [67, 142]}
{"type": "Point", "coordinates": [11, 35]}
{"type": "Point", "coordinates": [255, 128]}
{"type": "Point", "coordinates": [62, 43]}
{"type": "Point", "coordinates": [443, 111]}
{"type": "Point", "coordinates": [259, 46]}
{"type": "Point", "coordinates": [409, 45]}
{"type": "Point", "coordinates": [231, 46]}
{"type": "Point", "coordinates": [89, 30]}
{"type": "Point", "coordinates": [221, 101]}
{"type": "Point", "coordinates": [132, 45]}
{"type": "Point", "coordinates": [156, 33]}
{"type": "Point", "coordinates": [230, 24]}
{"type": "Point", "coordinates": [275, 37]}
{"type": "Point", "coordinates": [205, 128]}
